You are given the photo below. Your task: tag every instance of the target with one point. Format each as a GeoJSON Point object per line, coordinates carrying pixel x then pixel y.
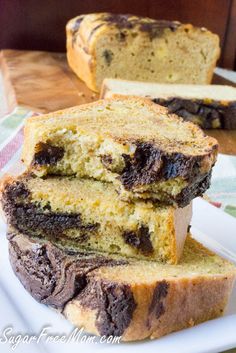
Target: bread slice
{"type": "Point", "coordinates": [209, 106]}
{"type": "Point", "coordinates": [88, 214]}
{"type": "Point", "coordinates": [105, 45]}
{"type": "Point", "coordinates": [128, 298]}
{"type": "Point", "coordinates": [132, 143]}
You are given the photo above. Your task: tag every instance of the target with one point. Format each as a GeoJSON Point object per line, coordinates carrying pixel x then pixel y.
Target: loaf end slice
{"type": "Point", "coordinates": [114, 297]}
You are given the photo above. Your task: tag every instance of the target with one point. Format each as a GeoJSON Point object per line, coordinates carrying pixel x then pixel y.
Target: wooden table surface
{"type": "Point", "coordinates": [43, 82]}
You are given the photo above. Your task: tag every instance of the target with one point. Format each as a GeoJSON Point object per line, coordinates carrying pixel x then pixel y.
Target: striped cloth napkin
{"type": "Point", "coordinates": [11, 138]}
{"type": "Point", "coordinates": [222, 192]}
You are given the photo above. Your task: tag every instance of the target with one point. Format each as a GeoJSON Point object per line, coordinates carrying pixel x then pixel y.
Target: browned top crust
{"type": "Point", "coordinates": [153, 28]}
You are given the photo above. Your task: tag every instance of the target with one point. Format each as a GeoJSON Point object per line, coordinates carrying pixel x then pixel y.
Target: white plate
{"type": "Point", "coordinates": [19, 310]}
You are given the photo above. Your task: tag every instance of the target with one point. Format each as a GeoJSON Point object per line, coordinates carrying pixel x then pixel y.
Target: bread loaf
{"type": "Point", "coordinates": [105, 45]}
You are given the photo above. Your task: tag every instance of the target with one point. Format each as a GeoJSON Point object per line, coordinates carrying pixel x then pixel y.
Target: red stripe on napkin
{"type": "Point", "coordinates": [11, 148]}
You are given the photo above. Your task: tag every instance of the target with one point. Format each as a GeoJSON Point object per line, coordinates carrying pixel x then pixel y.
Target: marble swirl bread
{"type": "Point", "coordinates": [209, 106]}
{"type": "Point", "coordinates": [102, 45]}
{"type": "Point", "coordinates": [130, 142]}
{"type": "Point", "coordinates": [107, 295]}
{"type": "Point", "coordinates": [88, 214]}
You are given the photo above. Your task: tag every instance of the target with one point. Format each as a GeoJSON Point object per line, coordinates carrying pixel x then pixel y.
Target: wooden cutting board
{"type": "Point", "coordinates": [43, 82]}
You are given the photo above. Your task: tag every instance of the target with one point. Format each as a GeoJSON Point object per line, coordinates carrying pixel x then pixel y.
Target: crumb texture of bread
{"type": "Point", "coordinates": [102, 45]}
{"type": "Point", "coordinates": [130, 142]}
{"type": "Point", "coordinates": [110, 296]}
{"type": "Point", "coordinates": [88, 214]}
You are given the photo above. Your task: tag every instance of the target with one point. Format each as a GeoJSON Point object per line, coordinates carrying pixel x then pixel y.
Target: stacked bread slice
{"type": "Point", "coordinates": [98, 224]}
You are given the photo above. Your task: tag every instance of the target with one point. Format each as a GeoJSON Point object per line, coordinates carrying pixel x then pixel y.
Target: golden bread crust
{"type": "Point", "coordinates": [135, 299]}
{"type": "Point", "coordinates": [204, 299]}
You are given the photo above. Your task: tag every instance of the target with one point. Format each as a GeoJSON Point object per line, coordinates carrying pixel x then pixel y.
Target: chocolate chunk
{"type": "Point", "coordinates": [190, 106]}
{"type": "Point", "coordinates": [139, 240]}
{"type": "Point", "coordinates": [32, 219]}
{"type": "Point", "coordinates": [121, 36]}
{"type": "Point", "coordinates": [51, 275]}
{"type": "Point", "coordinates": [115, 304]}
{"type": "Point", "coordinates": [156, 28]}
{"type": "Point", "coordinates": [108, 56]}
{"type": "Point", "coordinates": [193, 118]}
{"type": "Point", "coordinates": [77, 23]}
{"type": "Point", "coordinates": [34, 269]}
{"type": "Point", "coordinates": [106, 160]}
{"type": "Point", "coordinates": [177, 164]}
{"type": "Point", "coordinates": [116, 309]}
{"type": "Point", "coordinates": [94, 30]}
{"type": "Point", "coordinates": [191, 191]}
{"type": "Point", "coordinates": [16, 191]}
{"type": "Point", "coordinates": [75, 28]}
{"type": "Point", "coordinates": [47, 154]}
{"type": "Point", "coordinates": [229, 117]}
{"type": "Point", "coordinates": [173, 104]}
{"type": "Point", "coordinates": [143, 168]}
{"type": "Point", "coordinates": [149, 165]}
{"type": "Point", "coordinates": [121, 21]}
{"type": "Point", "coordinates": [157, 306]}
{"type": "Point", "coordinates": [208, 115]}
